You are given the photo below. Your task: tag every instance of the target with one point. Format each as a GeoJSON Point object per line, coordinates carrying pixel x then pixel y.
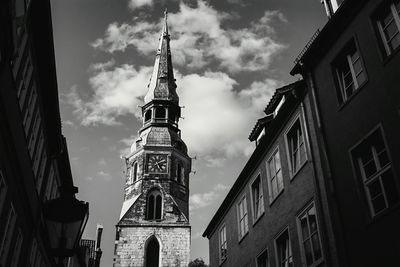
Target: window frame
{"type": "Point", "coordinates": [261, 199]}
{"type": "Point", "coordinates": [271, 156]}
{"type": "Point", "coordinates": [344, 55]}
{"type": "Point", "coordinates": [301, 238]}
{"type": "Point", "coordinates": [222, 259]}
{"type": "Point", "coordinates": [299, 116]}
{"type": "Point", "coordinates": [377, 25]}
{"type": "Point", "coordinates": [265, 250]}
{"type": "Point", "coordinates": [239, 220]}
{"type": "Point", "coordinates": [277, 259]}
{"type": "Point", "coordinates": [362, 182]}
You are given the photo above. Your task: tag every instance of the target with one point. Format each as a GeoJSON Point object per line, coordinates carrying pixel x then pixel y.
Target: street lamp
{"type": "Point", "coordinates": [66, 218]}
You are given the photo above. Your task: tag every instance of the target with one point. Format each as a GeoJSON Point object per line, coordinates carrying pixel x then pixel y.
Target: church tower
{"type": "Point", "coordinates": [153, 229]}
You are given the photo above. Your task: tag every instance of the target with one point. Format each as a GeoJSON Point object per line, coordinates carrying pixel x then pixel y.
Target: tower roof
{"type": "Point", "coordinates": [162, 84]}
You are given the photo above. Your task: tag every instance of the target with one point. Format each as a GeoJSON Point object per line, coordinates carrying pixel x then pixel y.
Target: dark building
{"type": "Point", "coordinates": [34, 164]}
{"type": "Point", "coordinates": [272, 216]}
{"type": "Point", "coordinates": [89, 251]}
{"type": "Point", "coordinates": [352, 68]}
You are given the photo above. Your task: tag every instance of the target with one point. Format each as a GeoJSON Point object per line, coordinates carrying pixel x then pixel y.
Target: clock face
{"type": "Point", "coordinates": [157, 163]}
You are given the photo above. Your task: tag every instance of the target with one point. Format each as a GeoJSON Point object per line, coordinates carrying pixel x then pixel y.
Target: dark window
{"type": "Point", "coordinates": [154, 205]}
{"type": "Point", "coordinates": [152, 252]}
{"type": "Point", "coordinates": [262, 260]}
{"type": "Point", "coordinates": [134, 172]}
{"type": "Point", "coordinates": [160, 113]}
{"type": "Point", "coordinates": [373, 166]}
{"type": "Point", "coordinates": [179, 171]}
{"type": "Point", "coordinates": [284, 250]}
{"type": "Point", "coordinates": [257, 198]}
{"type": "Point", "coordinates": [349, 71]}
{"type": "Point", "coordinates": [147, 115]}
{"type": "Point", "coordinates": [388, 24]}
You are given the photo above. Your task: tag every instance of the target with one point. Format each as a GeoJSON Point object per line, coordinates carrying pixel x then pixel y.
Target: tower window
{"type": "Point", "coordinates": [179, 173]}
{"type": "Point", "coordinates": [134, 172]}
{"type": "Point", "coordinates": [160, 113]}
{"type": "Point", "coordinates": [154, 205]}
{"type": "Point", "coordinates": [147, 115]}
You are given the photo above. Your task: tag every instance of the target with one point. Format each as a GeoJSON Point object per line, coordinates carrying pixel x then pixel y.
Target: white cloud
{"type": "Point", "coordinates": [115, 92]}
{"type": "Point", "coordinates": [202, 200]}
{"type": "Point", "coordinates": [104, 175]}
{"type": "Point", "coordinates": [133, 4]}
{"type": "Point", "coordinates": [200, 39]}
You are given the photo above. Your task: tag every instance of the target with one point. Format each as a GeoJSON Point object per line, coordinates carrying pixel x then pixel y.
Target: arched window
{"type": "Point", "coordinates": [152, 252]}
{"type": "Point", "coordinates": [147, 115]}
{"type": "Point", "coordinates": [179, 175]}
{"type": "Point", "coordinates": [160, 113]}
{"type": "Point", "coordinates": [154, 205]}
{"type": "Point", "coordinates": [134, 172]}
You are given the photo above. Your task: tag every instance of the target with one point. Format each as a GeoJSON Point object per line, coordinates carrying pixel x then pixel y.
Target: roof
{"type": "Point", "coordinates": [162, 83]}
{"type": "Point", "coordinates": [270, 108]}
{"type": "Point", "coordinates": [274, 128]}
{"type": "Point", "coordinates": [335, 26]}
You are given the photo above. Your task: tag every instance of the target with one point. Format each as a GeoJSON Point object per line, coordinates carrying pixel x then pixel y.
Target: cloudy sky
{"type": "Point", "coordinates": [228, 56]}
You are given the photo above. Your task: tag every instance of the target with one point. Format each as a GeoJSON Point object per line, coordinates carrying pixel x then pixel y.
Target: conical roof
{"type": "Point", "coordinates": [162, 84]}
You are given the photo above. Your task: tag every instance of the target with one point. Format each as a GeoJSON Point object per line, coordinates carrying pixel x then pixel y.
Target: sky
{"type": "Point", "coordinates": [228, 55]}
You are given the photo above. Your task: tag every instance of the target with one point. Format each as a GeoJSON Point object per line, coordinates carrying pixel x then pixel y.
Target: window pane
{"type": "Point", "coordinates": [375, 189]}
{"type": "Point", "coordinates": [304, 227]}
{"type": "Point", "coordinates": [370, 168]}
{"type": "Point", "coordinates": [316, 246]}
{"type": "Point", "coordinates": [378, 204]}
{"type": "Point", "coordinates": [390, 188]}
{"type": "Point", "coordinates": [390, 30]}
{"type": "Point", "coordinates": [308, 253]}
{"type": "Point", "coordinates": [395, 42]}
{"type": "Point", "coordinates": [279, 180]}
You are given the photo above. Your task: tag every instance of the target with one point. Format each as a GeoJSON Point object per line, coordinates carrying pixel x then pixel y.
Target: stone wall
{"type": "Point", "coordinates": [131, 241]}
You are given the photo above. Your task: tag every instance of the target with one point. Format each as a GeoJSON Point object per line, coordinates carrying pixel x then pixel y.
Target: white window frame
{"type": "Point", "coordinates": [244, 218]}
{"type": "Point", "coordinates": [222, 243]}
{"type": "Point", "coordinates": [316, 262]}
{"type": "Point", "coordinates": [300, 117]}
{"type": "Point", "coordinates": [277, 259]}
{"type": "Point", "coordinates": [257, 216]}
{"type": "Point", "coordinates": [357, 164]}
{"type": "Point", "coordinates": [396, 18]}
{"type": "Point", "coordinates": [271, 157]}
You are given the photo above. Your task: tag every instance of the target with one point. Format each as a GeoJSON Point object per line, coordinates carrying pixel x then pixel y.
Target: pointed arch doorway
{"type": "Point", "coordinates": [152, 252]}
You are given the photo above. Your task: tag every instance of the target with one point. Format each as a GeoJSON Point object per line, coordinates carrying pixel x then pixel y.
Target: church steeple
{"type": "Point", "coordinates": [162, 84]}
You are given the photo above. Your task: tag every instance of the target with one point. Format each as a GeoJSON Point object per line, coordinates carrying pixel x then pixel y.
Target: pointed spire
{"type": "Point", "coordinates": [162, 83]}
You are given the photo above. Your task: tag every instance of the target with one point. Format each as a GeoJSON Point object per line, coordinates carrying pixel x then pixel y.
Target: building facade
{"type": "Point", "coordinates": [154, 229]}
{"type": "Point", "coordinates": [272, 215]}
{"type": "Point", "coordinates": [353, 68]}
{"type": "Point", "coordinates": [34, 162]}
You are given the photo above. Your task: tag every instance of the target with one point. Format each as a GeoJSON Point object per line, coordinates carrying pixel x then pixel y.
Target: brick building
{"type": "Point", "coordinates": [153, 228]}
{"type": "Point", "coordinates": [351, 108]}
{"type": "Point", "coordinates": [34, 162]}
{"type": "Point", "coordinates": [353, 68]}
{"type": "Point", "coordinates": [272, 214]}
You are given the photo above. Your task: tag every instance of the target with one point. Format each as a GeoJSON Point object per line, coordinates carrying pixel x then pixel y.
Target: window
{"type": "Point", "coordinates": [349, 70]}
{"type": "Point", "coordinates": [275, 178]}
{"type": "Point", "coordinates": [223, 248]}
{"type": "Point", "coordinates": [3, 192]}
{"type": "Point", "coordinates": [147, 115]}
{"type": "Point", "coordinates": [154, 205]}
{"type": "Point", "coordinates": [373, 166]}
{"type": "Point", "coordinates": [133, 173]}
{"type": "Point", "coordinates": [17, 249]}
{"type": "Point", "coordinates": [257, 198]}
{"type": "Point", "coordinates": [242, 216]}
{"type": "Point", "coordinates": [179, 173]}
{"type": "Point", "coordinates": [262, 260]}
{"type": "Point", "coordinates": [309, 235]}
{"type": "Point", "coordinates": [283, 250]}
{"type": "Point", "coordinates": [388, 22]}
{"type": "Point", "coordinates": [8, 232]}
{"type": "Point", "coordinates": [296, 147]}
{"type": "Point", "coordinates": [160, 113]}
